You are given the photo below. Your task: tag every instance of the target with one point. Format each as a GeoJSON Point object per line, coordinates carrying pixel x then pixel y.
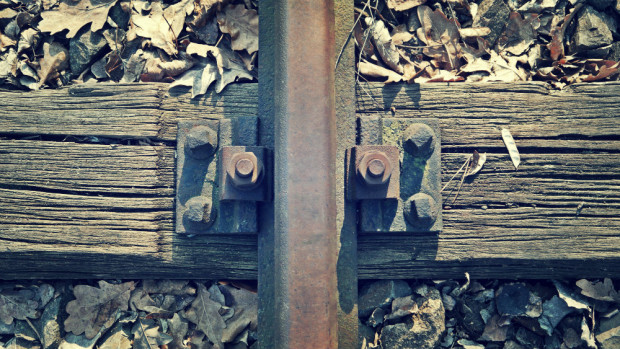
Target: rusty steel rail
{"type": "Point", "coordinates": [303, 305]}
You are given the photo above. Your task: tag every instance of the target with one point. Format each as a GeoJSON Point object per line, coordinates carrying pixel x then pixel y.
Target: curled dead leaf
{"type": "Point", "coordinates": [376, 71]}
{"type": "Point", "coordinates": [382, 40]}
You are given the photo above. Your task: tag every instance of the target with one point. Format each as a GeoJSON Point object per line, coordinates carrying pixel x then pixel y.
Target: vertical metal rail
{"type": "Point", "coordinates": [303, 306]}
{"type": "Point", "coordinates": [304, 185]}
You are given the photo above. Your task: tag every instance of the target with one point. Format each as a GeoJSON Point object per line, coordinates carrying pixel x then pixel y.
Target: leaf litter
{"type": "Point", "coordinates": [143, 314]}
{"type": "Point", "coordinates": [55, 43]}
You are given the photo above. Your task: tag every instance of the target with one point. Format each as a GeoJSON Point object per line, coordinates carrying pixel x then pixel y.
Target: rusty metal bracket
{"type": "Point", "coordinates": [417, 207]}
{"type": "Point", "coordinates": [204, 197]}
{"type": "Point", "coordinates": [376, 172]}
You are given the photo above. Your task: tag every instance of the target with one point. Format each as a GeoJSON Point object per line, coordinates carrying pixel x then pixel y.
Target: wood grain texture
{"type": "Point", "coordinates": [471, 115]}
{"type": "Point", "coordinates": [77, 210]}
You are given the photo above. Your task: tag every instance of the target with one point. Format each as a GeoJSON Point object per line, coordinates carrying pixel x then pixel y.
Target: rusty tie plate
{"type": "Point", "coordinates": [305, 252]}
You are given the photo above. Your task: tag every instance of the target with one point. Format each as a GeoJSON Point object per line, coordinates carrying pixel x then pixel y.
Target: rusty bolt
{"type": "Point", "coordinates": [200, 210]}
{"type": "Point", "coordinates": [201, 142]}
{"type": "Point", "coordinates": [245, 171]}
{"type": "Point", "coordinates": [421, 209]}
{"type": "Point", "coordinates": [374, 168]}
{"type": "Point", "coordinates": [419, 140]}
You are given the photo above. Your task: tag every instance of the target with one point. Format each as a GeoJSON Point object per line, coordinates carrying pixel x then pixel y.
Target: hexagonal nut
{"type": "Point", "coordinates": [201, 142]}
{"type": "Point", "coordinates": [419, 140]}
{"type": "Point", "coordinates": [421, 209]}
{"type": "Point", "coordinates": [374, 168]}
{"type": "Point", "coordinates": [200, 211]}
{"type": "Point", "coordinates": [245, 171]}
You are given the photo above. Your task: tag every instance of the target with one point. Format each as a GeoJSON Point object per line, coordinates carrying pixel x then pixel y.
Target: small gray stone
{"type": "Point", "coordinates": [380, 294]}
{"type": "Point", "coordinates": [513, 345]}
{"type": "Point", "coordinates": [617, 7]}
{"type": "Point", "coordinates": [49, 326]}
{"type": "Point", "coordinates": [512, 299]}
{"type": "Point", "coordinates": [376, 318]}
{"type": "Point", "coordinates": [592, 32]}
{"type": "Point", "coordinates": [494, 15]}
{"type": "Point", "coordinates": [423, 329]}
{"type": "Point", "coordinates": [470, 318]}
{"type": "Point", "coordinates": [83, 49]}
{"type": "Point", "coordinates": [554, 310]}
{"type": "Point", "coordinates": [528, 338]}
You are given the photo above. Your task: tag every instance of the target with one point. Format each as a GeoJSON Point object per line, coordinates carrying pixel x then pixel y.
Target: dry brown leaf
{"type": "Point", "coordinates": [400, 35]}
{"type": "Point", "coordinates": [441, 35]}
{"type": "Point", "coordinates": [147, 335]}
{"type": "Point", "coordinates": [602, 291]}
{"type": "Point", "coordinates": [404, 5]}
{"type": "Point", "coordinates": [512, 147]}
{"type": "Point", "coordinates": [17, 304]}
{"type": "Point", "coordinates": [441, 76]}
{"type": "Point", "coordinates": [476, 163]}
{"type": "Point", "coordinates": [55, 59]}
{"type": "Point", "coordinates": [204, 312]}
{"type": "Point", "coordinates": [376, 71]}
{"type": "Point", "coordinates": [242, 25]}
{"type": "Point", "coordinates": [162, 26]}
{"type": "Point", "coordinates": [5, 41]}
{"type": "Point", "coordinates": [603, 73]}
{"type": "Point", "coordinates": [74, 17]}
{"type": "Point", "coordinates": [382, 40]}
{"type": "Point", "coordinates": [245, 304]}
{"type": "Point", "coordinates": [95, 308]}
{"type": "Point", "coordinates": [520, 33]}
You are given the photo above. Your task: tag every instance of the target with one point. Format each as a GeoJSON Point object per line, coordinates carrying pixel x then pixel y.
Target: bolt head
{"type": "Point", "coordinates": [201, 142]}
{"type": "Point", "coordinates": [245, 171]}
{"type": "Point", "coordinates": [421, 209]}
{"type": "Point", "coordinates": [419, 140]}
{"type": "Point", "coordinates": [200, 211]}
{"type": "Point", "coordinates": [244, 168]}
{"type": "Point", "coordinates": [374, 168]}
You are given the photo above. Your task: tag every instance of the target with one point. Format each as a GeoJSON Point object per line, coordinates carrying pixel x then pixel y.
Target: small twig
{"type": "Point", "coordinates": [144, 334]}
{"type": "Point", "coordinates": [456, 173]}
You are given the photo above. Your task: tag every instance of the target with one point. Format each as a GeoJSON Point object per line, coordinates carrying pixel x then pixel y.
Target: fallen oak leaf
{"type": "Point", "coordinates": [242, 25]}
{"type": "Point", "coordinates": [204, 312]}
{"type": "Point", "coordinates": [382, 40]}
{"type": "Point", "coordinates": [603, 73]}
{"type": "Point", "coordinates": [602, 291]}
{"type": "Point", "coordinates": [94, 309]}
{"type": "Point", "coordinates": [17, 304]}
{"type": "Point", "coordinates": [162, 26]}
{"type": "Point", "coordinates": [55, 59]}
{"type": "Point", "coordinates": [245, 304]}
{"type": "Point", "coordinates": [520, 33]}
{"type": "Point", "coordinates": [74, 17]}
{"type": "Point", "coordinates": [376, 71]}
{"type": "Point", "coordinates": [441, 35]}
{"type": "Point", "coordinates": [512, 147]}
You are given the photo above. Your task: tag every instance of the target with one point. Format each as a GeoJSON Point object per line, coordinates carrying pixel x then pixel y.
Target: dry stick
{"type": "Point", "coordinates": [461, 184]}
{"type": "Point", "coordinates": [457, 172]}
